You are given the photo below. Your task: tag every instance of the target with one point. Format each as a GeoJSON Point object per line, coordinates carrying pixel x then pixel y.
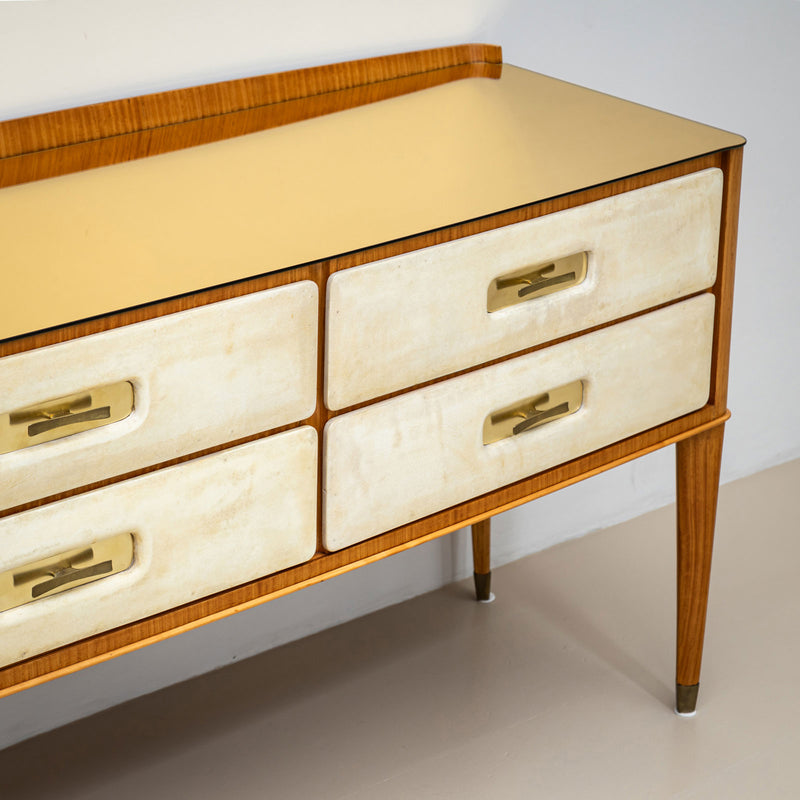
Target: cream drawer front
{"type": "Point", "coordinates": [399, 322]}
{"type": "Point", "coordinates": [200, 378]}
{"type": "Point", "coordinates": [198, 528]}
{"type": "Point", "coordinates": [412, 455]}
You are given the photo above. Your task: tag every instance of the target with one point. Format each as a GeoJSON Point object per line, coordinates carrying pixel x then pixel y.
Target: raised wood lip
{"type": "Point", "coordinates": [68, 125]}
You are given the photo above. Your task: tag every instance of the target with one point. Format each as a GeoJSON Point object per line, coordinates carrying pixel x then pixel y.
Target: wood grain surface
{"type": "Point", "coordinates": [482, 547]}
{"type": "Point", "coordinates": [698, 460]}
{"type": "Point", "coordinates": [731, 165]}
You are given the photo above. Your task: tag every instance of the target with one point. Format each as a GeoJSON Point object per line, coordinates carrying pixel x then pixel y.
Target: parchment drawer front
{"type": "Point", "coordinates": [197, 528]}
{"type": "Point", "coordinates": [399, 322]}
{"type": "Point", "coordinates": [196, 379]}
{"type": "Point", "coordinates": [395, 461]}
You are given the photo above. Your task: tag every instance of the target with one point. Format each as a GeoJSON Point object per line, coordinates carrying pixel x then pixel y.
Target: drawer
{"type": "Point", "coordinates": [405, 320]}
{"type": "Point", "coordinates": [197, 528]}
{"type": "Point", "coordinates": [198, 378]}
{"type": "Point", "coordinates": [401, 459]}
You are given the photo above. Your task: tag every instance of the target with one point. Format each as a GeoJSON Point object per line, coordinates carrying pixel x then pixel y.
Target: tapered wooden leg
{"type": "Point", "coordinates": [698, 462]}
{"type": "Point", "coordinates": [481, 559]}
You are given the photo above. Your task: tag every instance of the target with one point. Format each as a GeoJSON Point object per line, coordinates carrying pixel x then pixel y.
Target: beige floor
{"type": "Point", "coordinates": [562, 688]}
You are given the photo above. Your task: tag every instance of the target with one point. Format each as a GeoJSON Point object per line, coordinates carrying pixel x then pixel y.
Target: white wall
{"type": "Point", "coordinates": [734, 65]}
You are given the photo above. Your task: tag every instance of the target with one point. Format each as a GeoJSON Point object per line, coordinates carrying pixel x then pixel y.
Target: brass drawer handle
{"type": "Point", "coordinates": [533, 412]}
{"type": "Point", "coordinates": [537, 416]}
{"type": "Point", "coordinates": [65, 571]}
{"type": "Point", "coordinates": [65, 416]}
{"type": "Point", "coordinates": [535, 280]}
{"type": "Point", "coordinates": [68, 419]}
{"type": "Point", "coordinates": [61, 576]}
{"type": "Point", "coordinates": [543, 279]}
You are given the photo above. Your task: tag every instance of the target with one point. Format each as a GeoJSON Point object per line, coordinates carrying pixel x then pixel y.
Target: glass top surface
{"type": "Point", "coordinates": [111, 238]}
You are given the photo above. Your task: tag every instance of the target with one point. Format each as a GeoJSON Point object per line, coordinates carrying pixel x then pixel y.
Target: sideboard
{"type": "Point", "coordinates": [259, 333]}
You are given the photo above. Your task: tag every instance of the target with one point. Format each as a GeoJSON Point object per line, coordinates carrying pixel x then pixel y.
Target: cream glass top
{"type": "Point", "coordinates": [110, 238]}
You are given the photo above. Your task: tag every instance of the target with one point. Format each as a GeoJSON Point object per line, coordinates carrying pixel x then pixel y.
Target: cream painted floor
{"type": "Point", "coordinates": [562, 688]}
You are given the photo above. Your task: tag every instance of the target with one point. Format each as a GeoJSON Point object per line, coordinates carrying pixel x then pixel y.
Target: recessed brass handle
{"type": "Point", "coordinates": [538, 416]}
{"type": "Point", "coordinates": [38, 428]}
{"type": "Point", "coordinates": [533, 412]}
{"type": "Point", "coordinates": [535, 280]}
{"type": "Point", "coordinates": [66, 575]}
{"type": "Point", "coordinates": [538, 281]}
{"type": "Point", "coordinates": [65, 416]}
{"type": "Point", "coordinates": [65, 571]}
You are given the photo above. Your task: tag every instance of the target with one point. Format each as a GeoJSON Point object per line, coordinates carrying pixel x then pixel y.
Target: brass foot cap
{"type": "Point", "coordinates": [483, 587]}
{"type": "Point", "coordinates": [686, 700]}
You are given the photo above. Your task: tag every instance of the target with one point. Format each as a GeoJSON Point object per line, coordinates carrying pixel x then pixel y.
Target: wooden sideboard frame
{"type": "Point", "coordinates": [67, 141]}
